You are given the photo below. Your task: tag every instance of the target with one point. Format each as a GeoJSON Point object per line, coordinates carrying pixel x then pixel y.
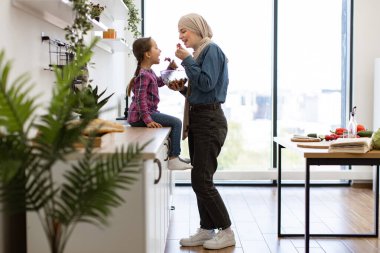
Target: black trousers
{"type": "Point", "coordinates": [207, 133]}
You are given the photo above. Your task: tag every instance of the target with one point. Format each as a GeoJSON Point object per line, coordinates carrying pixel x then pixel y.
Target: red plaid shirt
{"type": "Point", "coordinates": [145, 96]}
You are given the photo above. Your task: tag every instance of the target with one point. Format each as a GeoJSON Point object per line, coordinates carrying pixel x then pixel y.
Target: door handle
{"type": "Point", "coordinates": [159, 170]}
{"type": "Point", "coordinates": [167, 153]}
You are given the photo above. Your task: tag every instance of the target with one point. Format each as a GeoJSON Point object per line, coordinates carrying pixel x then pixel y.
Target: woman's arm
{"type": "Point", "coordinates": [205, 77]}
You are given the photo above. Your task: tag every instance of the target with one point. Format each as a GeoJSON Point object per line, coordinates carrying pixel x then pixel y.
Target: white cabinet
{"type": "Point", "coordinates": [141, 224]}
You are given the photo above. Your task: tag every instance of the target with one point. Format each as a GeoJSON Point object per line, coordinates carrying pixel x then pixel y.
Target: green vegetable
{"type": "Point", "coordinates": [313, 135]}
{"type": "Point", "coordinates": [376, 139]}
{"type": "Point", "coordinates": [367, 133]}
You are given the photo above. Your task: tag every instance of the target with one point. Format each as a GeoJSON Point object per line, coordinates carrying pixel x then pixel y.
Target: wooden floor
{"type": "Point", "coordinates": [253, 211]}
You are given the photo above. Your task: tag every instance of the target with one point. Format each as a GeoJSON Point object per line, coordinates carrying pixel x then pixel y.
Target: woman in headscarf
{"type": "Point", "coordinates": [205, 126]}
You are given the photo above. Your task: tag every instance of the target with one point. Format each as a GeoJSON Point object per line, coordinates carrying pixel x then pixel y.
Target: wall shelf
{"type": "Point", "coordinates": [61, 14]}
{"type": "Point", "coordinates": [115, 9]}
{"type": "Point", "coordinates": [98, 26]}
{"type": "Point", "coordinates": [56, 12]}
{"type": "Point", "coordinates": [113, 45]}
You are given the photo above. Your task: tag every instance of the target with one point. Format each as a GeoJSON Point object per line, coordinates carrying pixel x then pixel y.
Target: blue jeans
{"type": "Point", "coordinates": [167, 121]}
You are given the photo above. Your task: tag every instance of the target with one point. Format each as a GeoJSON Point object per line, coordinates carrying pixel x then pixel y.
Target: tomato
{"type": "Point", "coordinates": [340, 130]}
{"type": "Point", "coordinates": [360, 127]}
{"type": "Point", "coordinates": [332, 137]}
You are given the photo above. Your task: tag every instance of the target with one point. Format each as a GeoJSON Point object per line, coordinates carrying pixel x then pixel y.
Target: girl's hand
{"type": "Point", "coordinates": [176, 87]}
{"type": "Point", "coordinates": [181, 53]}
{"type": "Point", "coordinates": [154, 124]}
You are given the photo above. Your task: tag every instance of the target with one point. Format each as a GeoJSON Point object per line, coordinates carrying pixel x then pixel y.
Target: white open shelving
{"type": "Point", "coordinates": [60, 14]}
{"type": "Point", "coordinates": [98, 26]}
{"type": "Point", "coordinates": [115, 9]}
{"type": "Point", "coordinates": [56, 12]}
{"type": "Point", "coordinates": [113, 45]}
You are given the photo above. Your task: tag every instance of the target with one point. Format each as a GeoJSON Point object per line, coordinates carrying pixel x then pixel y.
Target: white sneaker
{"type": "Point", "coordinates": [221, 240]}
{"type": "Point", "coordinates": [176, 164]}
{"type": "Point", "coordinates": [185, 160]}
{"type": "Point", "coordinates": [198, 238]}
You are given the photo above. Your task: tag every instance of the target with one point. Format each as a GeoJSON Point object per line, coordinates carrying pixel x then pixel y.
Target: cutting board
{"type": "Point", "coordinates": [305, 139]}
{"type": "Point", "coordinates": [318, 145]}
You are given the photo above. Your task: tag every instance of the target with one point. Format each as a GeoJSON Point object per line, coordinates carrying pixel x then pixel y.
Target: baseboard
{"type": "Point", "coordinates": [361, 184]}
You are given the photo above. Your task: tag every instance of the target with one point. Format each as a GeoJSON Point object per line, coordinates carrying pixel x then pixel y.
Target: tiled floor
{"type": "Point", "coordinates": [253, 211]}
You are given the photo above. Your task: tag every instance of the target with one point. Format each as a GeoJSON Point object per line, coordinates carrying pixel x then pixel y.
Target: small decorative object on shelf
{"type": "Point", "coordinates": [96, 10]}
{"type": "Point", "coordinates": [109, 34]}
{"type": "Point", "coordinates": [59, 54]}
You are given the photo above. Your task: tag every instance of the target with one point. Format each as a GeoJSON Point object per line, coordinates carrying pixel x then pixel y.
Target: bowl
{"type": "Point", "coordinates": [172, 77]}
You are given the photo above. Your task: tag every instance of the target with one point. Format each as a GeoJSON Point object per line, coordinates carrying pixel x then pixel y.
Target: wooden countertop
{"type": "Point", "coordinates": [132, 135]}
{"type": "Point", "coordinates": [322, 153]}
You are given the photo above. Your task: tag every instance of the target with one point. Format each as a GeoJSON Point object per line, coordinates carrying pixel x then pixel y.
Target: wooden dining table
{"type": "Point", "coordinates": [319, 157]}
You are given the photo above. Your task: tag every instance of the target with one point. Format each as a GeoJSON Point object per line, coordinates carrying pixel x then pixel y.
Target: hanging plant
{"type": "Point", "coordinates": [133, 19]}
{"type": "Point", "coordinates": [81, 26]}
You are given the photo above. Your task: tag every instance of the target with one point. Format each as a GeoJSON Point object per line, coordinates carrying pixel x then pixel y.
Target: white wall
{"type": "Point", "coordinates": [366, 49]}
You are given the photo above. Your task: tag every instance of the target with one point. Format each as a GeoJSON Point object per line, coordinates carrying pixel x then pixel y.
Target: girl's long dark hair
{"type": "Point", "coordinates": [140, 47]}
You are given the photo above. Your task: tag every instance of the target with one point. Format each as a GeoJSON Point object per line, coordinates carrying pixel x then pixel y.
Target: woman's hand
{"type": "Point", "coordinates": [181, 53]}
{"type": "Point", "coordinates": [154, 124]}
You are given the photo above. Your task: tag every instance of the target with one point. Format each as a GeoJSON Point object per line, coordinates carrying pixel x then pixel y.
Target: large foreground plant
{"type": "Point", "coordinates": [90, 188]}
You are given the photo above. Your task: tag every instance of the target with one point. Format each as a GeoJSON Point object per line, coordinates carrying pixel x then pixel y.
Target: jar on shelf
{"type": "Point", "coordinates": [109, 34]}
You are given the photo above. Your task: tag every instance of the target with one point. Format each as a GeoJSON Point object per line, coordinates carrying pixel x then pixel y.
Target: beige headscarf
{"type": "Point", "coordinates": [195, 23]}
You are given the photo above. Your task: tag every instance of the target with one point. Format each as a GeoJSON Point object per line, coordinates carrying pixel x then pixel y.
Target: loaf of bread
{"type": "Point", "coordinates": [100, 127]}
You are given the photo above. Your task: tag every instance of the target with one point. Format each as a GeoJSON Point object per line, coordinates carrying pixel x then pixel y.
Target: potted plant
{"type": "Point", "coordinates": [96, 10]}
{"type": "Point", "coordinates": [133, 18]}
{"type": "Point", "coordinates": [91, 187]}
{"type": "Point", "coordinates": [89, 101]}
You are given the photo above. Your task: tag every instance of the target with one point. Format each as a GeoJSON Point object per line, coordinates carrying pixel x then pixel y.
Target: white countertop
{"type": "Point", "coordinates": [132, 135]}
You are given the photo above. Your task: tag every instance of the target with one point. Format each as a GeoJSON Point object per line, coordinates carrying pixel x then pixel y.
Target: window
{"type": "Point", "coordinates": [311, 70]}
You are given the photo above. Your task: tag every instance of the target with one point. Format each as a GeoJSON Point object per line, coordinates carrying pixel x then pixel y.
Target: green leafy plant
{"type": "Point", "coordinates": [89, 101]}
{"type": "Point", "coordinates": [91, 187]}
{"type": "Point", "coordinates": [76, 32]}
{"type": "Point", "coordinates": [96, 10]}
{"type": "Point", "coordinates": [133, 18]}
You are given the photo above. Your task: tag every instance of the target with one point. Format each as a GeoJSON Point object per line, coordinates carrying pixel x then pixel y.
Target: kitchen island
{"type": "Point", "coordinates": [141, 223]}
